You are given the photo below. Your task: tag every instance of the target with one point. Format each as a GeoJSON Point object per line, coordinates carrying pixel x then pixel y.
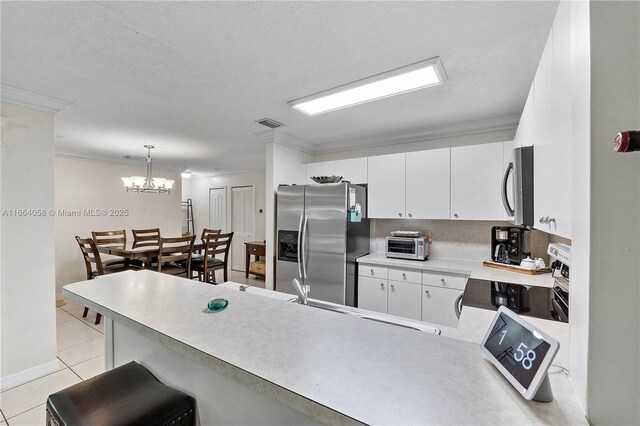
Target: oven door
{"type": "Point", "coordinates": [403, 248]}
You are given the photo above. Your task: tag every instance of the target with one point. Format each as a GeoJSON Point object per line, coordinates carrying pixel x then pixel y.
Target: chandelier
{"type": "Point", "coordinates": [154, 185]}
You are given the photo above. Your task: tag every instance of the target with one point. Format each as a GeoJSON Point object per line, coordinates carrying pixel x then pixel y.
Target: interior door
{"type": "Point", "coordinates": [242, 224]}
{"type": "Point", "coordinates": [217, 209]}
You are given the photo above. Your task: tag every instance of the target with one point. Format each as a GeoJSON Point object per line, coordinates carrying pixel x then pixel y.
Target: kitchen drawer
{"type": "Point", "coordinates": [365, 270]}
{"type": "Point", "coordinates": [444, 280]}
{"type": "Point", "coordinates": [405, 275]}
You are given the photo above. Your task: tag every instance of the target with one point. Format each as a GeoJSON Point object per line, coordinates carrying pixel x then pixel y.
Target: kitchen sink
{"type": "Point", "coordinates": [385, 319]}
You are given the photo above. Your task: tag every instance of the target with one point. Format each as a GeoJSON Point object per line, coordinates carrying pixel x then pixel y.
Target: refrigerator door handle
{"type": "Point", "coordinates": [300, 246]}
{"type": "Point", "coordinates": [304, 246]}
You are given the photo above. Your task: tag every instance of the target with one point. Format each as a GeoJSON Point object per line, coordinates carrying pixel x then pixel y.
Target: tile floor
{"type": "Point", "coordinates": [80, 357]}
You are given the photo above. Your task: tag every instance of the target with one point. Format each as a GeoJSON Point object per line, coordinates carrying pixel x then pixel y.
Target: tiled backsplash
{"type": "Point", "coordinates": [454, 239]}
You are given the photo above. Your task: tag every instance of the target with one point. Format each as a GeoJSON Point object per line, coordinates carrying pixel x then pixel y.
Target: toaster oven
{"type": "Point", "coordinates": [414, 248]}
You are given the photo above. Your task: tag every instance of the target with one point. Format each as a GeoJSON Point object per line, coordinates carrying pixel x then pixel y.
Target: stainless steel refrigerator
{"type": "Point", "coordinates": [319, 237]}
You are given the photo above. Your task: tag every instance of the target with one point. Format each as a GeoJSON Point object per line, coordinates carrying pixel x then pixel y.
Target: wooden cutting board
{"type": "Point", "coordinates": [514, 268]}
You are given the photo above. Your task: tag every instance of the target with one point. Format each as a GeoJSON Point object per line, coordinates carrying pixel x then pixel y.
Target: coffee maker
{"type": "Point", "coordinates": [510, 244]}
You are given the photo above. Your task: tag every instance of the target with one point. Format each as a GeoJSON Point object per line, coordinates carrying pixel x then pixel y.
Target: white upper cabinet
{"type": "Point", "coordinates": [428, 184]}
{"type": "Point", "coordinates": [324, 168]}
{"type": "Point", "coordinates": [546, 124]}
{"type": "Point", "coordinates": [476, 173]}
{"type": "Point", "coordinates": [386, 179]}
{"type": "Point", "coordinates": [354, 169]}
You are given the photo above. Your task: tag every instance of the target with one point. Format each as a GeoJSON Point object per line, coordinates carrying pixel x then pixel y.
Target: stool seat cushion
{"type": "Point", "coordinates": [127, 395]}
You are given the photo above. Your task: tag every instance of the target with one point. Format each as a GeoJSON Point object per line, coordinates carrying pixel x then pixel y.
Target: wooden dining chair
{"type": "Point", "coordinates": [174, 255]}
{"type": "Point", "coordinates": [146, 237]}
{"type": "Point", "coordinates": [215, 244]}
{"type": "Point", "coordinates": [203, 237]}
{"type": "Point", "coordinates": [117, 239]}
{"type": "Point", "coordinates": [91, 257]}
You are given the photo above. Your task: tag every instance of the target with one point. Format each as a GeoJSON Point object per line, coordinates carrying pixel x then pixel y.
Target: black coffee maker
{"type": "Point", "coordinates": [510, 244]}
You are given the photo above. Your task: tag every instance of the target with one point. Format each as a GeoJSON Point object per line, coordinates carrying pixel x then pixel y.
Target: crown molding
{"type": "Point", "coordinates": [26, 98]}
{"type": "Point", "coordinates": [110, 160]}
{"type": "Point", "coordinates": [197, 175]}
{"type": "Point", "coordinates": [460, 129]}
{"type": "Point", "coordinates": [281, 138]}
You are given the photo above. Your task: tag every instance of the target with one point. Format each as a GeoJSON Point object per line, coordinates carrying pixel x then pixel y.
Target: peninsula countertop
{"type": "Point", "coordinates": [345, 368]}
{"type": "Point", "coordinates": [471, 268]}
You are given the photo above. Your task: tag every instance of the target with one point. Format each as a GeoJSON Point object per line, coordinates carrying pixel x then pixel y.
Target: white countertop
{"type": "Point", "coordinates": [471, 268]}
{"type": "Point", "coordinates": [344, 367]}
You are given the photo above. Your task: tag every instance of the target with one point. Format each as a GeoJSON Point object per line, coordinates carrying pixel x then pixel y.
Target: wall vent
{"type": "Point", "coordinates": [272, 124]}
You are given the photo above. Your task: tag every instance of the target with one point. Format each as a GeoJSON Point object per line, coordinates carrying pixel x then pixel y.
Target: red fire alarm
{"type": "Point", "coordinates": [627, 141]}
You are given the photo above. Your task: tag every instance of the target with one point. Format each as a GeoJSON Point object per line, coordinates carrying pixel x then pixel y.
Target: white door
{"type": "Point", "coordinates": [438, 305]}
{"type": "Point", "coordinates": [242, 224]}
{"type": "Point", "coordinates": [372, 294]}
{"type": "Point", "coordinates": [428, 184]}
{"type": "Point", "coordinates": [404, 300]}
{"type": "Point", "coordinates": [217, 209]}
{"type": "Point", "coordinates": [386, 179]}
{"type": "Point", "coordinates": [476, 175]}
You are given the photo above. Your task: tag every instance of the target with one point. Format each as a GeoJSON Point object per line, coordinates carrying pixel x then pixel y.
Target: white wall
{"type": "Point", "coordinates": [580, 196]}
{"type": "Point", "coordinates": [488, 137]}
{"type": "Point", "coordinates": [27, 285]}
{"type": "Point", "coordinates": [86, 184]}
{"type": "Point", "coordinates": [284, 166]}
{"type": "Point", "coordinates": [614, 286]}
{"type": "Point", "coordinates": [197, 188]}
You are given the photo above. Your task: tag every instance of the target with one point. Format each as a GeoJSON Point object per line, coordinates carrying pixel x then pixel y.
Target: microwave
{"type": "Point", "coordinates": [407, 248]}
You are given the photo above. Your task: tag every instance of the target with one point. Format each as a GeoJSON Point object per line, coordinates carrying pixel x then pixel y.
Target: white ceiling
{"type": "Point", "coordinates": [191, 78]}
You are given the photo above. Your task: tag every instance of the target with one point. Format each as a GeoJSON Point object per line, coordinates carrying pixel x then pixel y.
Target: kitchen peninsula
{"type": "Point", "coordinates": [268, 361]}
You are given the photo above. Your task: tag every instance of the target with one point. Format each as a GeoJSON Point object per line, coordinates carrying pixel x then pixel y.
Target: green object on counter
{"type": "Point", "coordinates": [217, 305]}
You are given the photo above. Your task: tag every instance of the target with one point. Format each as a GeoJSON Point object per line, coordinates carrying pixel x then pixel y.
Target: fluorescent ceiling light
{"type": "Point", "coordinates": [400, 80]}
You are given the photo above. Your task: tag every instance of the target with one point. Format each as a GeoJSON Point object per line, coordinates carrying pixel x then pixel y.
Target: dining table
{"type": "Point", "coordinates": [131, 251]}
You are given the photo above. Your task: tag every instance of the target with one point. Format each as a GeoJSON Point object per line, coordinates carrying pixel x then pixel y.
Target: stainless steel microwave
{"type": "Point", "coordinates": [408, 248]}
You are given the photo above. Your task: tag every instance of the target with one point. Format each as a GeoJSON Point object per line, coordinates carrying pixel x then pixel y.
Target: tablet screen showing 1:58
{"type": "Point", "coordinates": [518, 349]}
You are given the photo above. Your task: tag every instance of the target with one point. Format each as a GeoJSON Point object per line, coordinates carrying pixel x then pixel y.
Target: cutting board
{"type": "Point", "coordinates": [514, 268]}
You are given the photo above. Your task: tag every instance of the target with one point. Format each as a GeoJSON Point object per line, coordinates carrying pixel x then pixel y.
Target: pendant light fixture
{"type": "Point", "coordinates": [154, 185]}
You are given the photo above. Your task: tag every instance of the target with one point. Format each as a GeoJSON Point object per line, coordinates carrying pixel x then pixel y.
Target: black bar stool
{"type": "Point", "coordinates": [127, 395]}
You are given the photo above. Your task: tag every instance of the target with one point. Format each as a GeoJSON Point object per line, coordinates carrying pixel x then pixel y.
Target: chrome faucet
{"type": "Point", "coordinates": [302, 290]}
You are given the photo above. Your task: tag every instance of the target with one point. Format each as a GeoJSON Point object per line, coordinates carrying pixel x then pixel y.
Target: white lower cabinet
{"type": "Point", "coordinates": [372, 294]}
{"type": "Point", "coordinates": [404, 300]}
{"type": "Point", "coordinates": [438, 305]}
{"type": "Point", "coordinates": [409, 293]}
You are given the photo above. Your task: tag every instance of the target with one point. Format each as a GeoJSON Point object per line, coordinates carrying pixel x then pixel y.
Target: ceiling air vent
{"type": "Point", "coordinates": [272, 124]}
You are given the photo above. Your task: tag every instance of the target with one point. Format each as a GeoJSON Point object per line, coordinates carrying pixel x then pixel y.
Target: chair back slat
{"type": "Point", "coordinates": [146, 237]}
{"type": "Point", "coordinates": [110, 238]}
{"type": "Point", "coordinates": [206, 232]}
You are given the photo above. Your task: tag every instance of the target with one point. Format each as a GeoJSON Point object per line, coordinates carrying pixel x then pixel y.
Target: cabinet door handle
{"type": "Point", "coordinates": [410, 215]}
{"type": "Point", "coordinates": [400, 214]}
{"type": "Point", "coordinates": [381, 285]}
{"type": "Point", "coordinates": [442, 280]}
{"type": "Point", "coordinates": [404, 275]}
{"type": "Point", "coordinates": [427, 291]}
{"type": "Point", "coordinates": [393, 287]}
{"type": "Point", "coordinates": [372, 272]}
{"type": "Point", "coordinates": [455, 215]}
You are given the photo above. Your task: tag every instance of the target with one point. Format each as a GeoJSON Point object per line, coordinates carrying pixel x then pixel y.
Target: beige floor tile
{"type": "Point", "coordinates": [74, 333]}
{"type": "Point", "coordinates": [238, 277]}
{"type": "Point", "coordinates": [83, 352]}
{"type": "Point", "coordinates": [90, 368]}
{"type": "Point", "coordinates": [35, 417]}
{"type": "Point", "coordinates": [70, 305]}
{"type": "Point", "coordinates": [90, 319]}
{"type": "Point", "coordinates": [30, 395]}
{"type": "Point", "coordinates": [63, 316]}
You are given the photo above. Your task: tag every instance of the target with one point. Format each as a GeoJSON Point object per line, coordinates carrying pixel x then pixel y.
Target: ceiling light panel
{"type": "Point", "coordinates": [400, 80]}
